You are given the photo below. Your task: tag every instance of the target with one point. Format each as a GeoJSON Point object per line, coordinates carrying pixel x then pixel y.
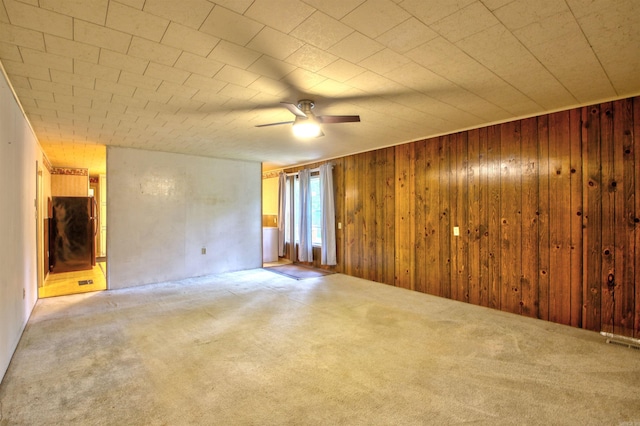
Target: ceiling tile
{"type": "Point", "coordinates": [573, 63]}
{"type": "Point", "coordinates": [41, 84]}
{"type": "Point", "coordinates": [335, 8]}
{"type": "Point", "coordinates": [35, 18]}
{"type": "Point", "coordinates": [128, 101]}
{"type": "Point", "coordinates": [198, 65]}
{"type": "Point", "coordinates": [321, 30]}
{"type": "Point", "coordinates": [495, 4]}
{"type": "Point", "coordinates": [22, 37]}
{"type": "Point", "coordinates": [555, 27]}
{"type": "Point", "coordinates": [138, 4]}
{"type": "Point", "coordinates": [236, 76]}
{"type": "Point", "coordinates": [30, 56]}
{"type": "Point", "coordinates": [238, 6]}
{"type": "Point", "coordinates": [375, 17]}
{"type": "Point", "coordinates": [618, 50]}
{"type": "Point", "coordinates": [384, 61]}
{"type": "Point", "coordinates": [173, 89]}
{"type": "Point", "coordinates": [73, 100]}
{"type": "Point", "coordinates": [72, 49]}
{"type": "Point", "coordinates": [274, 43]}
{"type": "Point", "coordinates": [102, 93]}
{"type": "Point", "coordinates": [78, 80]}
{"type": "Point", "coordinates": [95, 70]}
{"type": "Point", "coordinates": [407, 35]}
{"type": "Point", "coordinates": [283, 15]}
{"type": "Point", "coordinates": [311, 58]}
{"type": "Point", "coordinates": [136, 22]}
{"type": "Point", "coordinates": [356, 47]}
{"type": "Point", "coordinates": [204, 83]}
{"type": "Point", "coordinates": [238, 92]}
{"type": "Point", "coordinates": [270, 67]}
{"type": "Point", "coordinates": [465, 22]}
{"type": "Point", "coordinates": [234, 54]}
{"type": "Point", "coordinates": [230, 26]}
{"type": "Point", "coordinates": [101, 36]}
{"type": "Point", "coordinates": [341, 70]}
{"type": "Point", "coordinates": [87, 10]}
{"type": "Point", "coordinates": [191, 13]}
{"type": "Point", "coordinates": [269, 86]}
{"type": "Point", "coordinates": [304, 80]}
{"type": "Point", "coordinates": [376, 84]}
{"type": "Point", "coordinates": [163, 72]}
{"type": "Point", "coordinates": [430, 11]}
{"type": "Point", "coordinates": [28, 93]}
{"type": "Point", "coordinates": [145, 49]}
{"type": "Point", "coordinates": [499, 50]}
{"type": "Point", "coordinates": [123, 62]}
{"type": "Point", "coordinates": [520, 13]}
{"type": "Point", "coordinates": [27, 70]}
{"type": "Point", "coordinates": [137, 80]}
{"type": "Point", "coordinates": [189, 40]}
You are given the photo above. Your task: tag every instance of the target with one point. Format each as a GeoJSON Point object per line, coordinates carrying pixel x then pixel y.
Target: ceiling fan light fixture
{"type": "Point", "coordinates": [305, 128]}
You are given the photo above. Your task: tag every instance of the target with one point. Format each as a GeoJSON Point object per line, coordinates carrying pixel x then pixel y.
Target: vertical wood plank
{"type": "Point", "coordinates": [592, 235]}
{"type": "Point", "coordinates": [380, 218]}
{"type": "Point", "coordinates": [530, 232]}
{"type": "Point", "coordinates": [624, 220]}
{"type": "Point", "coordinates": [404, 220]}
{"type": "Point", "coordinates": [608, 217]}
{"type": "Point", "coordinates": [510, 217]}
{"type": "Point", "coordinates": [493, 224]}
{"type": "Point", "coordinates": [420, 217]}
{"type": "Point", "coordinates": [390, 214]}
{"type": "Point", "coordinates": [370, 268]}
{"type": "Point", "coordinates": [636, 218]}
{"type": "Point", "coordinates": [473, 216]}
{"type": "Point", "coordinates": [575, 237]}
{"type": "Point", "coordinates": [432, 216]}
{"type": "Point", "coordinates": [444, 216]}
{"type": "Point", "coordinates": [338, 183]}
{"type": "Point", "coordinates": [560, 219]}
{"type": "Point", "coordinates": [350, 234]}
{"type": "Point", "coordinates": [483, 218]}
{"type": "Point", "coordinates": [543, 218]}
{"type": "Point", "coordinates": [454, 215]}
{"type": "Point", "coordinates": [462, 218]}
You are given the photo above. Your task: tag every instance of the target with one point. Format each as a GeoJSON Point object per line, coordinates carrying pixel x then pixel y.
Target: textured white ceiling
{"type": "Point", "coordinates": [196, 76]}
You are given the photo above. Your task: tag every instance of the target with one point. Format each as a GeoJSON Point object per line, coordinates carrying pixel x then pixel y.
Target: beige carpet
{"type": "Point", "coordinates": [257, 348]}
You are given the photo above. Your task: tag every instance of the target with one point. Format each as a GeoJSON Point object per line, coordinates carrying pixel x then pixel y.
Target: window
{"type": "Point", "coordinates": [316, 211]}
{"type": "Point", "coordinates": [293, 199]}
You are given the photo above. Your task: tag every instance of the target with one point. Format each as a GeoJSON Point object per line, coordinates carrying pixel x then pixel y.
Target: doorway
{"type": "Point", "coordinates": [92, 278]}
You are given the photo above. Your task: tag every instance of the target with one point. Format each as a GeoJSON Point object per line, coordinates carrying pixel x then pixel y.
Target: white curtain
{"type": "Point", "coordinates": [305, 252]}
{"type": "Point", "coordinates": [328, 229]}
{"type": "Point", "coordinates": [282, 205]}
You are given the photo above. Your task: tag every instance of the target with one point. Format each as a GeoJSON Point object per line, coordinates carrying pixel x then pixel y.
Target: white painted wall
{"type": "Point", "coordinates": [19, 152]}
{"type": "Point", "coordinates": [164, 208]}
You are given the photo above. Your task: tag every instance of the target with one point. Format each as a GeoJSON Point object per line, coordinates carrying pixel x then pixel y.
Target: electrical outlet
{"type": "Point", "coordinates": [456, 231]}
{"type": "Point", "coordinates": [339, 225]}
{"type": "Point", "coordinates": [204, 250]}
{"type": "Point", "coordinates": [24, 293]}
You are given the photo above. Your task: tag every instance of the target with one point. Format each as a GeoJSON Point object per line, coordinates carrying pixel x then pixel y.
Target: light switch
{"type": "Point", "coordinates": [456, 231]}
{"type": "Point", "coordinates": [339, 225]}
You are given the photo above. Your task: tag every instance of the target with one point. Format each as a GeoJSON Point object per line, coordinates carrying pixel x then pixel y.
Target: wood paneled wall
{"type": "Point", "coordinates": [547, 210]}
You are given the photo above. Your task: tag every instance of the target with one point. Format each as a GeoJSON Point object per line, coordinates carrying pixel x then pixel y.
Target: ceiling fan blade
{"type": "Point", "coordinates": [274, 124]}
{"type": "Point", "coordinates": [331, 119]}
{"type": "Point", "coordinates": [294, 109]}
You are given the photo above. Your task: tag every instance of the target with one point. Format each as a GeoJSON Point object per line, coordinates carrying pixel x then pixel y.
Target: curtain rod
{"type": "Point", "coordinates": [315, 169]}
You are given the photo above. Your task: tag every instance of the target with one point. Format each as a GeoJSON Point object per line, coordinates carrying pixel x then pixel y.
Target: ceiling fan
{"type": "Point", "coordinates": [307, 124]}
